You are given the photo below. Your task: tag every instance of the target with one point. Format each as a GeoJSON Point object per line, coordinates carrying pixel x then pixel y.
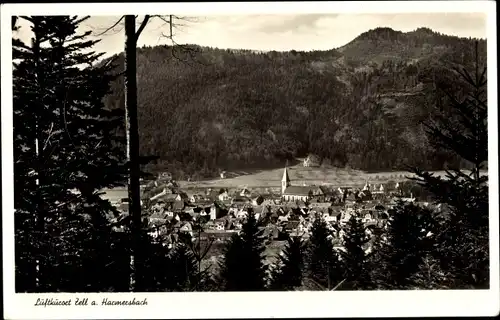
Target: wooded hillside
{"type": "Point", "coordinates": [203, 109]}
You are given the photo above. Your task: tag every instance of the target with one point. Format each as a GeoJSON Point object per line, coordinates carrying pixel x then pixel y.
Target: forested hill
{"type": "Point", "coordinates": [203, 109]}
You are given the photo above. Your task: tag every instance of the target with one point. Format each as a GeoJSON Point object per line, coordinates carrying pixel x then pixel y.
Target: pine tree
{"type": "Point", "coordinates": [464, 243]}
{"type": "Point", "coordinates": [65, 154]}
{"type": "Point", "coordinates": [409, 240]}
{"type": "Point", "coordinates": [323, 263]}
{"type": "Point", "coordinates": [290, 266]}
{"type": "Point", "coordinates": [183, 269]}
{"type": "Point", "coordinates": [354, 257]}
{"type": "Point", "coordinates": [242, 268]}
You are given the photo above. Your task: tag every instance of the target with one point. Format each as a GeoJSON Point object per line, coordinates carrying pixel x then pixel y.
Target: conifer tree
{"type": "Point", "coordinates": [242, 268]}
{"type": "Point", "coordinates": [290, 266]}
{"type": "Point", "coordinates": [65, 154]}
{"type": "Point", "coordinates": [354, 257]}
{"type": "Point", "coordinates": [183, 269]}
{"type": "Point", "coordinates": [409, 239]}
{"type": "Point", "coordinates": [464, 243]}
{"type": "Point", "coordinates": [323, 263]}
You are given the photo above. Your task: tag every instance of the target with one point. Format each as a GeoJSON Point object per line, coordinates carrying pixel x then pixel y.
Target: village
{"type": "Point", "coordinates": [215, 215]}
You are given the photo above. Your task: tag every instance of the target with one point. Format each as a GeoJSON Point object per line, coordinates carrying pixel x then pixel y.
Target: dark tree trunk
{"type": "Point", "coordinates": [133, 148]}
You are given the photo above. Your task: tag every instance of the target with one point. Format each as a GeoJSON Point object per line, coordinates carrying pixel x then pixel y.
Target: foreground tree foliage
{"type": "Point", "coordinates": [65, 153]}
{"type": "Point", "coordinates": [242, 268]}
{"type": "Point", "coordinates": [354, 257]}
{"type": "Point", "coordinates": [323, 264]}
{"type": "Point", "coordinates": [290, 266]}
{"type": "Point", "coordinates": [464, 236]}
{"type": "Point", "coordinates": [408, 240]}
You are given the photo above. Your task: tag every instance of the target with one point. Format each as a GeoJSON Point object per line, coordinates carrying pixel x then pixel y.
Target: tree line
{"type": "Point", "coordinates": [67, 148]}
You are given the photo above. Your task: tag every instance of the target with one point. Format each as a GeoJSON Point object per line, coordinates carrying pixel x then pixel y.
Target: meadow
{"type": "Point", "coordinates": [299, 175]}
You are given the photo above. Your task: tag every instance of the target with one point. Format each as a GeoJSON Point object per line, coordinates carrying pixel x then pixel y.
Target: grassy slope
{"type": "Point", "coordinates": [299, 175]}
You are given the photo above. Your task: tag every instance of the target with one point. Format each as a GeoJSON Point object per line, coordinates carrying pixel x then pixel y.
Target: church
{"type": "Point", "coordinates": [296, 193]}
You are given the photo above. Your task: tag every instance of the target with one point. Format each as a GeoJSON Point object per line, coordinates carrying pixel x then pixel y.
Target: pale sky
{"type": "Point", "coordinates": [282, 32]}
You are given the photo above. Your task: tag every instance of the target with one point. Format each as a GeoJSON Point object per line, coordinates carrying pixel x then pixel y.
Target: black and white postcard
{"type": "Point", "coordinates": [249, 160]}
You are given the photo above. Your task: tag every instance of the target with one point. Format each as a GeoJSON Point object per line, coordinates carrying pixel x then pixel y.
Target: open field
{"type": "Point", "coordinates": [299, 175]}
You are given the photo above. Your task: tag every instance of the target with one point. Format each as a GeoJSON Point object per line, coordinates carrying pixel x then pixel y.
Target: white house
{"type": "Point", "coordinates": [241, 213]}
{"type": "Point", "coordinates": [195, 198]}
{"type": "Point", "coordinates": [187, 228]}
{"type": "Point", "coordinates": [223, 196]}
{"type": "Point", "coordinates": [245, 193]}
{"type": "Point", "coordinates": [213, 212]}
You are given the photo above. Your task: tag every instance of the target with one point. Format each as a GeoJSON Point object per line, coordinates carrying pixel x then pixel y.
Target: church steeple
{"type": "Point", "coordinates": [285, 181]}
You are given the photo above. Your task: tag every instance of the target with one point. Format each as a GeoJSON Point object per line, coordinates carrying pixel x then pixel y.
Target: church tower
{"type": "Point", "coordinates": [285, 182]}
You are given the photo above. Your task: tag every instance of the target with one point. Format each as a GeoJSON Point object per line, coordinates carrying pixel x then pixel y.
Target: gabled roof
{"type": "Point", "coordinates": [178, 205]}
{"type": "Point", "coordinates": [292, 224]}
{"type": "Point", "coordinates": [325, 190]}
{"type": "Point", "coordinates": [297, 191]}
{"type": "Point", "coordinates": [241, 199]}
{"type": "Point", "coordinates": [183, 195]}
{"type": "Point", "coordinates": [167, 197]}
{"type": "Point", "coordinates": [158, 215]}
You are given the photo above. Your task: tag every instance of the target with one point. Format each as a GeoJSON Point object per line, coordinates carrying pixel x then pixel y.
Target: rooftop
{"type": "Point", "coordinates": [297, 190]}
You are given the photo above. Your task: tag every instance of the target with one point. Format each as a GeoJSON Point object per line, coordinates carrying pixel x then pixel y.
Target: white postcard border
{"type": "Point", "coordinates": [261, 304]}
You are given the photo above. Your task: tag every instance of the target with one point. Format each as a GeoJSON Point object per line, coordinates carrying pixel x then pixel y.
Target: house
{"type": "Point", "coordinates": [365, 195]}
{"type": "Point", "coordinates": [379, 190]}
{"type": "Point", "coordinates": [181, 196]}
{"type": "Point", "coordinates": [184, 216]}
{"type": "Point", "coordinates": [223, 195]}
{"type": "Point", "coordinates": [220, 224]}
{"type": "Point", "coordinates": [239, 200]}
{"type": "Point", "coordinates": [214, 211]}
{"type": "Point", "coordinates": [212, 194]}
{"type": "Point", "coordinates": [195, 198]}
{"type": "Point", "coordinates": [122, 207]}
{"type": "Point", "coordinates": [236, 225]}
{"type": "Point", "coordinates": [311, 161]}
{"type": "Point", "coordinates": [284, 218]}
{"type": "Point", "coordinates": [245, 193]}
{"type": "Point", "coordinates": [366, 187]}
{"type": "Point", "coordinates": [271, 232]}
{"type": "Point", "coordinates": [408, 199]}
{"type": "Point", "coordinates": [291, 226]}
{"type": "Point", "coordinates": [317, 191]}
{"type": "Point", "coordinates": [217, 235]}
{"type": "Point", "coordinates": [367, 215]}
{"type": "Point", "coordinates": [165, 191]}
{"type": "Point", "coordinates": [178, 205]}
{"type": "Point", "coordinates": [164, 176]}
{"type": "Point", "coordinates": [168, 199]}
{"type": "Point", "coordinates": [187, 228]}
{"type": "Point", "coordinates": [351, 197]}
{"type": "Point", "coordinates": [258, 200]}
{"type": "Point", "coordinates": [241, 213]}
{"type": "Point", "coordinates": [346, 215]}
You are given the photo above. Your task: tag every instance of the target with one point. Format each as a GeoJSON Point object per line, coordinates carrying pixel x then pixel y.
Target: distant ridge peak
{"type": "Point", "coordinates": [380, 33]}
{"type": "Point", "coordinates": [425, 30]}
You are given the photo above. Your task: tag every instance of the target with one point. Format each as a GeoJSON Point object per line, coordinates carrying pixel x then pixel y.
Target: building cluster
{"type": "Point", "coordinates": [221, 213]}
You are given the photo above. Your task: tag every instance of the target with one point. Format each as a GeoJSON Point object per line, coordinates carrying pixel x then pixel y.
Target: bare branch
{"type": "Point", "coordinates": [110, 28]}
{"type": "Point", "coordinates": [141, 27]}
